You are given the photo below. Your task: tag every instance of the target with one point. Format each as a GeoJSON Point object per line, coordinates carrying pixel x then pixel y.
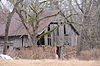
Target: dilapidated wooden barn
{"type": "Point", "coordinates": [65, 35]}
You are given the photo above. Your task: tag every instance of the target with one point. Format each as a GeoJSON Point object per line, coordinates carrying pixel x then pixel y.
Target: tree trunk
{"type": "Point", "coordinates": [8, 25]}
{"type": "Point", "coordinates": [7, 31]}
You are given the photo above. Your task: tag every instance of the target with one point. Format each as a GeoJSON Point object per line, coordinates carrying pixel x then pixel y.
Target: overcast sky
{"type": "Point", "coordinates": [6, 4]}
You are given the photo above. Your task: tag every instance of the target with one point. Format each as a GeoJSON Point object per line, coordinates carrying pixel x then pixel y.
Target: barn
{"type": "Point", "coordinates": [65, 35]}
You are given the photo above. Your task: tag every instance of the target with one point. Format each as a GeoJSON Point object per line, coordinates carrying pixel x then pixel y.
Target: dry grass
{"type": "Point", "coordinates": [45, 52]}
{"type": "Point", "coordinates": [88, 58]}
{"type": "Point", "coordinates": [48, 63]}
{"type": "Point", "coordinates": [93, 54]}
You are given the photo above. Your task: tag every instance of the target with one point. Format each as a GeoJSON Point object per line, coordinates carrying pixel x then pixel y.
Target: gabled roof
{"type": "Point", "coordinates": [17, 28]}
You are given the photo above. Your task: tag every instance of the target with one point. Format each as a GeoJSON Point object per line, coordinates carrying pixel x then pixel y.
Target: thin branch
{"type": "Point", "coordinates": [79, 6]}
{"type": "Point", "coordinates": [48, 16]}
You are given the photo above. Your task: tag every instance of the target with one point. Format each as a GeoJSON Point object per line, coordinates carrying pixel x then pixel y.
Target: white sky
{"type": "Point", "coordinates": [6, 4]}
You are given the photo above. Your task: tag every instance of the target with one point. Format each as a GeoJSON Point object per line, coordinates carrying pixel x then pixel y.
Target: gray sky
{"type": "Point", "coordinates": [6, 4]}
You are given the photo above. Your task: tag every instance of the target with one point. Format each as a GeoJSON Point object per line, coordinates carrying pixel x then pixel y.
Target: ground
{"type": "Point", "coordinates": [46, 62]}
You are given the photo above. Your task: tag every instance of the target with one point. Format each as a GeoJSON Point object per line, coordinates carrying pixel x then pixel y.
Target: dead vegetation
{"type": "Point", "coordinates": [93, 54]}
{"type": "Point", "coordinates": [42, 52]}
{"type": "Point", "coordinates": [86, 58]}
{"type": "Point", "coordinates": [46, 62]}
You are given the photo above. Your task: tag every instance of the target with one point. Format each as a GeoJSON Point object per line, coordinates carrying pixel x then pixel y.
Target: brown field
{"type": "Point", "coordinates": [46, 62]}
{"type": "Point", "coordinates": [87, 58]}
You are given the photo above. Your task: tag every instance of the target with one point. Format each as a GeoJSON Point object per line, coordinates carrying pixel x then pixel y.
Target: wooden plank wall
{"type": "Point", "coordinates": [61, 39]}
{"type": "Point", "coordinates": [46, 37]}
{"type": "Point", "coordinates": [61, 35]}
{"type": "Point", "coordinates": [52, 37]}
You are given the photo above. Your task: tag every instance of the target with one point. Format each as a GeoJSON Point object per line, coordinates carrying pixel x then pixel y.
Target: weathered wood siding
{"type": "Point", "coordinates": [1, 49]}
{"type": "Point", "coordinates": [46, 37]}
{"type": "Point", "coordinates": [58, 37]}
{"type": "Point", "coordinates": [72, 36]}
{"type": "Point", "coordinates": [69, 34]}
{"type": "Point", "coordinates": [26, 41]}
{"type": "Point", "coordinates": [61, 35]}
{"type": "Point", "coordinates": [17, 41]}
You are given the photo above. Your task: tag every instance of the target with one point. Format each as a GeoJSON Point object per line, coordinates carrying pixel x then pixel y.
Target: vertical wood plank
{"type": "Point", "coordinates": [61, 35]}
{"type": "Point", "coordinates": [51, 27]}
{"type": "Point", "coordinates": [46, 37]}
{"type": "Point", "coordinates": [76, 37]}
{"type": "Point", "coordinates": [69, 30]}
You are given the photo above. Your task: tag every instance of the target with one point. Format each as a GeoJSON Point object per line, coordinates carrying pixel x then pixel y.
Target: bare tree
{"type": "Point", "coordinates": [8, 24]}
{"type": "Point", "coordinates": [86, 20]}
{"type": "Point", "coordinates": [30, 17]}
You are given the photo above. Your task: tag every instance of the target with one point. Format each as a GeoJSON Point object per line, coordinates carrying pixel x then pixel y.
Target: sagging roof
{"type": "Point", "coordinates": [17, 28]}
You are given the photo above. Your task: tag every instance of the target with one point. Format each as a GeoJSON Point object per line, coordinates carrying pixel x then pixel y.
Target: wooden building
{"type": "Point", "coordinates": [65, 35]}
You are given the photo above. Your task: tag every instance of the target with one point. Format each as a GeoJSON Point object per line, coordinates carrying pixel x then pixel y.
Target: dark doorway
{"type": "Point", "coordinates": [58, 51]}
{"type": "Point", "coordinates": [41, 41]}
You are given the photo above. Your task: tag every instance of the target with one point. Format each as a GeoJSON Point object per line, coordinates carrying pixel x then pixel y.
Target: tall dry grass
{"type": "Point", "coordinates": [93, 54]}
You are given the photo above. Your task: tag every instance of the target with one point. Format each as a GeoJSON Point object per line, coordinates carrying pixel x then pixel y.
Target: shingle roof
{"type": "Point", "coordinates": [17, 28]}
